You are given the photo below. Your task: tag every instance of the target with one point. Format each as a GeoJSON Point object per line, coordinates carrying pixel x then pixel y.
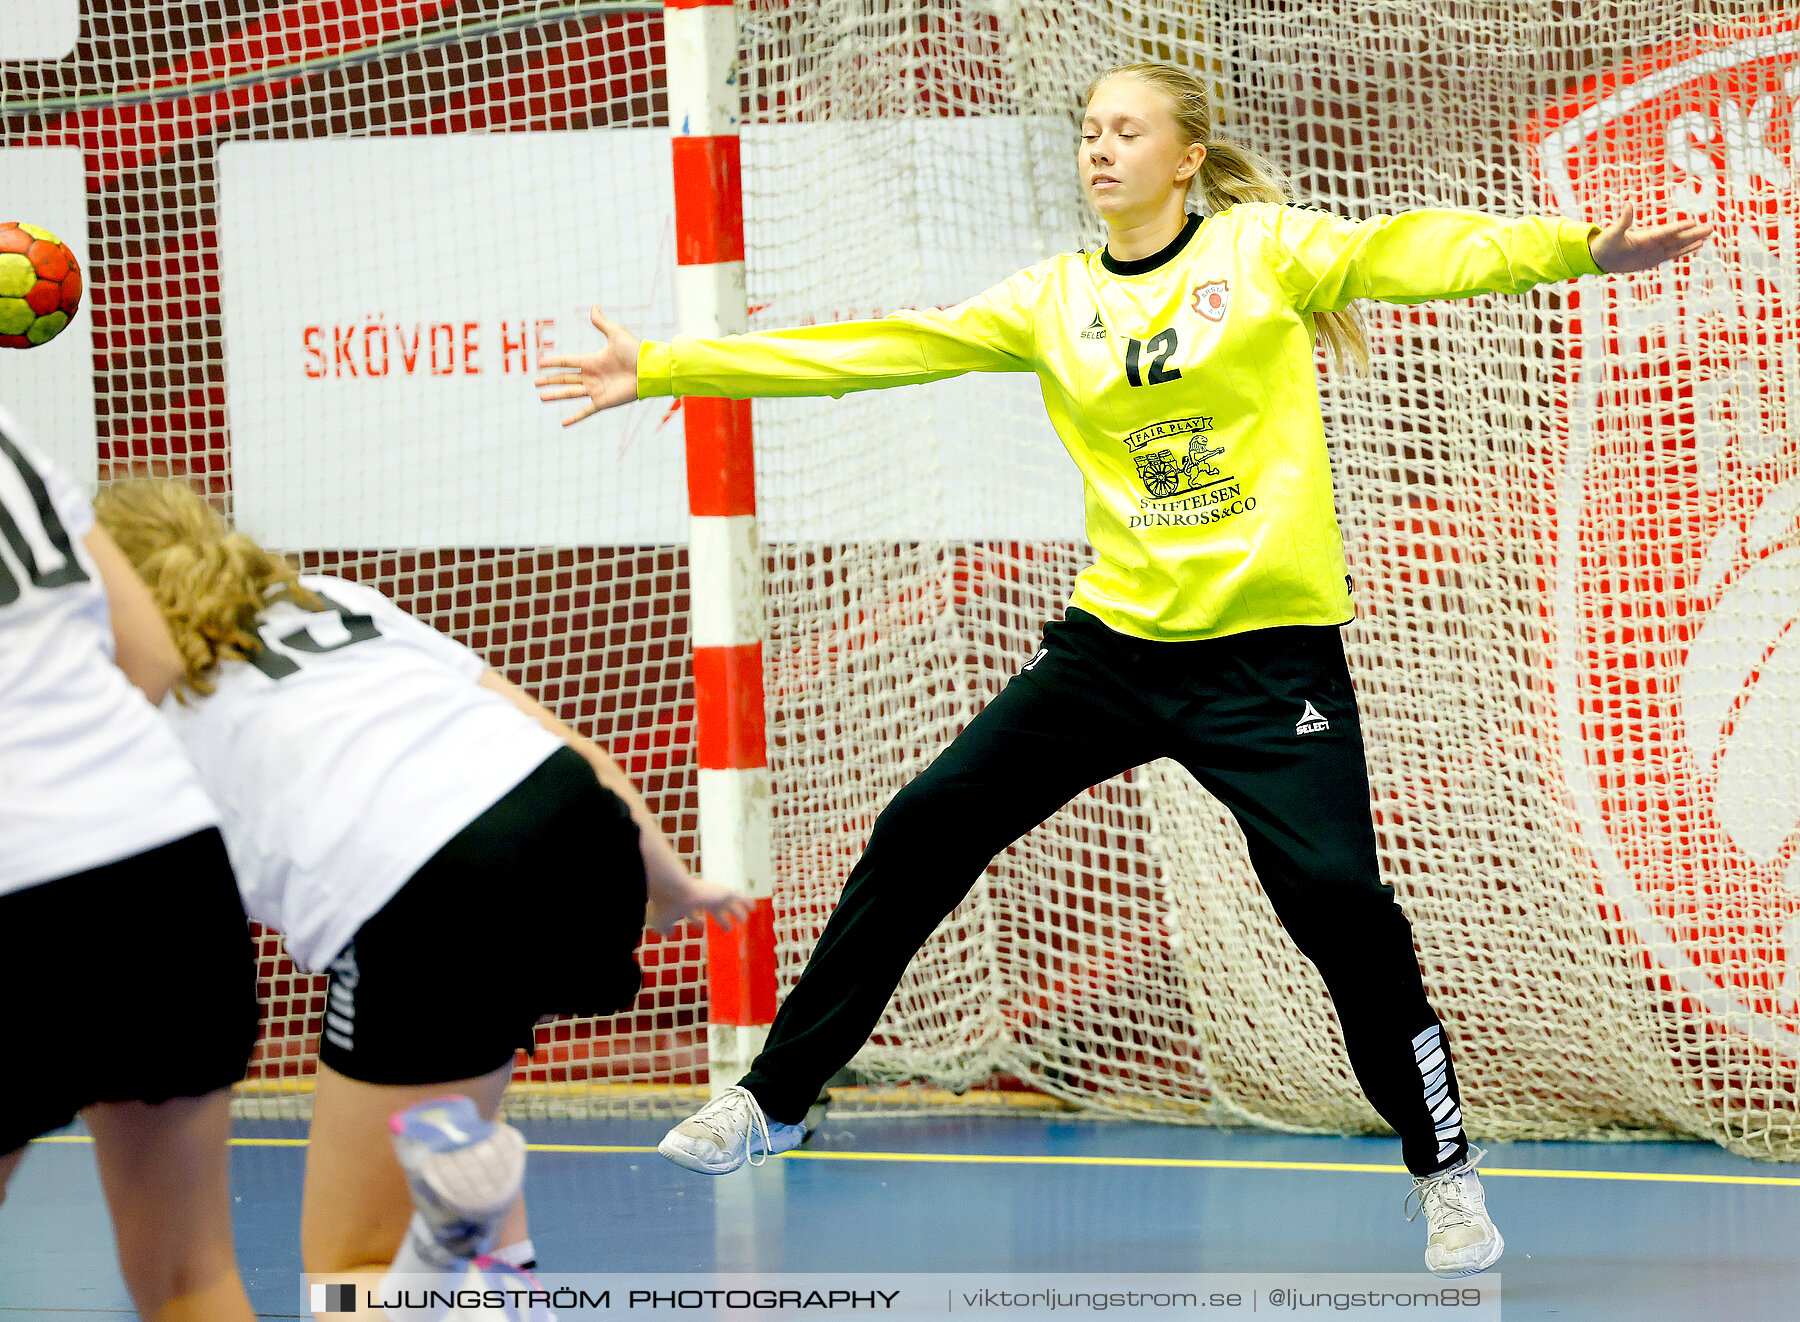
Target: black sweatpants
{"type": "Point", "coordinates": [1267, 722]}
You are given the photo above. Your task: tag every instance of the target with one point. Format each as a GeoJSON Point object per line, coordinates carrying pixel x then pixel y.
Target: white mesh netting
{"type": "Point", "coordinates": [1571, 519]}
{"type": "Point", "coordinates": [1571, 516]}
{"type": "Point", "coordinates": [326, 243]}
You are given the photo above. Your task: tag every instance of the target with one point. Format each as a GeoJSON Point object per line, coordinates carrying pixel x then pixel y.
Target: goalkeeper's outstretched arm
{"type": "Point", "coordinates": [991, 332]}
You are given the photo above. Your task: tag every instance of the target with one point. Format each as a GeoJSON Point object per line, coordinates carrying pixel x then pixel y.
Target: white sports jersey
{"type": "Point", "coordinates": [88, 774]}
{"type": "Point", "coordinates": [344, 755]}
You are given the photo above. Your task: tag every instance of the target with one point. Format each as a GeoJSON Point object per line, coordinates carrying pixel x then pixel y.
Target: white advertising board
{"type": "Point", "coordinates": [386, 301]}
{"type": "Point", "coordinates": [39, 29]}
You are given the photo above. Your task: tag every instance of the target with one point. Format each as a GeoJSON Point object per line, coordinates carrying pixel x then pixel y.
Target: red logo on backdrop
{"type": "Point", "coordinates": [1212, 299]}
{"type": "Point", "coordinates": [1677, 592]}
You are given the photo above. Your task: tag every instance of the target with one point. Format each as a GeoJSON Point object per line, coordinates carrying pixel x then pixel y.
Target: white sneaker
{"type": "Point", "coordinates": [465, 1172]}
{"type": "Point", "coordinates": [1461, 1238]}
{"type": "Point", "coordinates": [726, 1132]}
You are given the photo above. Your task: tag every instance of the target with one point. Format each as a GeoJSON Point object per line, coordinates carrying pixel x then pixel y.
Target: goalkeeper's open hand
{"type": "Point", "coordinates": [605, 379]}
{"type": "Point", "coordinates": [1618, 247]}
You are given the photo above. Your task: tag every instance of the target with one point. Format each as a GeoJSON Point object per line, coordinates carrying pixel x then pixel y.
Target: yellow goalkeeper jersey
{"type": "Point", "coordinates": [1182, 384]}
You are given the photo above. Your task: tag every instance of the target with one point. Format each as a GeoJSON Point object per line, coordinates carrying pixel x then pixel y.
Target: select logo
{"type": "Point", "coordinates": [334, 1298]}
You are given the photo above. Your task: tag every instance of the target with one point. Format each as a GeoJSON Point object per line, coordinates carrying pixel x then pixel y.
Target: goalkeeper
{"type": "Point", "coordinates": [1177, 365]}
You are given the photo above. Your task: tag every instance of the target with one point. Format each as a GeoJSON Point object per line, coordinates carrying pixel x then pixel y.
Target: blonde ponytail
{"type": "Point", "coordinates": [210, 581]}
{"type": "Point", "coordinates": [1230, 174]}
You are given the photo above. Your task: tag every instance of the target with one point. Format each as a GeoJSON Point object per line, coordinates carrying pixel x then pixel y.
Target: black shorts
{"type": "Point", "coordinates": [132, 982]}
{"type": "Point", "coordinates": [534, 908]}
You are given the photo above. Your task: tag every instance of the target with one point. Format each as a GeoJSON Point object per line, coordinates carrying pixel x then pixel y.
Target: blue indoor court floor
{"type": "Point", "coordinates": [1595, 1232]}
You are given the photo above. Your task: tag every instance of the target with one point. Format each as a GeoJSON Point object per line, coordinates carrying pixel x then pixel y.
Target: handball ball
{"type": "Point", "coordinates": [40, 285]}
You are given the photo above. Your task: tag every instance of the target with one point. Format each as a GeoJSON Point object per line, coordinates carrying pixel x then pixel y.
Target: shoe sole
{"type": "Point", "coordinates": [481, 1177]}
{"type": "Point", "coordinates": [1451, 1273]}
{"type": "Point", "coordinates": [672, 1149]}
{"type": "Point", "coordinates": [690, 1161]}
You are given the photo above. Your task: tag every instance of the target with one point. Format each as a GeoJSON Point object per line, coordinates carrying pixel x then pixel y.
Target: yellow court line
{"type": "Point", "coordinates": [1142, 1163]}
{"type": "Point", "coordinates": [1197, 1163]}
{"type": "Point", "coordinates": [235, 1142]}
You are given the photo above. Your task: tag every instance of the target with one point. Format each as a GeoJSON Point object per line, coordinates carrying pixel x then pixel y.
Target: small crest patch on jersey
{"type": "Point", "coordinates": [1212, 299]}
{"type": "Point", "coordinates": [1096, 329]}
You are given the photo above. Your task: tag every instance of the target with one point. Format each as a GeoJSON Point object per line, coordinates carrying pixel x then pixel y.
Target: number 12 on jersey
{"type": "Point", "coordinates": [1159, 347]}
